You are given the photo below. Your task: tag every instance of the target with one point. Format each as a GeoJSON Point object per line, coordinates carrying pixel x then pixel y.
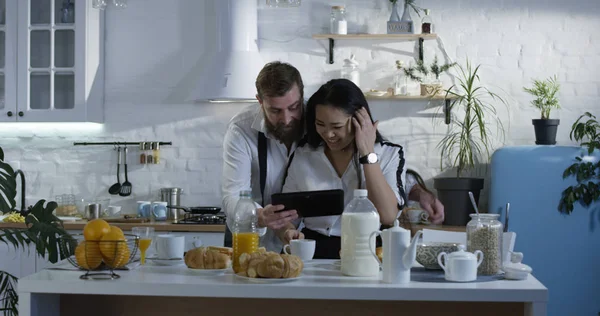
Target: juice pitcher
{"type": "Point", "coordinates": [399, 253]}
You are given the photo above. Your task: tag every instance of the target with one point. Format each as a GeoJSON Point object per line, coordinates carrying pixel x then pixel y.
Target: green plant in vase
{"type": "Point", "coordinates": [468, 143]}
{"type": "Point", "coordinates": [586, 131]}
{"type": "Point", "coordinates": [428, 77]}
{"type": "Point", "coordinates": [546, 99]}
{"type": "Point", "coordinates": [42, 230]}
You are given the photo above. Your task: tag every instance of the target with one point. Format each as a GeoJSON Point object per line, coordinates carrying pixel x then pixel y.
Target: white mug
{"type": "Point", "coordinates": [417, 216]}
{"type": "Point", "coordinates": [169, 246]}
{"type": "Point", "coordinates": [303, 248]}
{"type": "Point", "coordinates": [113, 210]}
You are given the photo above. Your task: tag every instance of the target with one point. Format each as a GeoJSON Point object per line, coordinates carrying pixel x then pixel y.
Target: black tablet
{"type": "Point", "coordinates": [312, 203]}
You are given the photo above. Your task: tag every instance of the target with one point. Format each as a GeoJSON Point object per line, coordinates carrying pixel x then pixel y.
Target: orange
{"type": "Point", "coordinates": [95, 229]}
{"type": "Point", "coordinates": [117, 230]}
{"type": "Point", "coordinates": [120, 257]}
{"type": "Point", "coordinates": [88, 255]}
{"type": "Point", "coordinates": [112, 244]}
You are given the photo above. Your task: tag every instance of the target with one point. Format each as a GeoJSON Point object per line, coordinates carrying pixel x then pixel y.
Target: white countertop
{"type": "Point", "coordinates": [321, 279]}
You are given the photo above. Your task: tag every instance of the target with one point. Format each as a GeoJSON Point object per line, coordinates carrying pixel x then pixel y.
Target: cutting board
{"type": "Point", "coordinates": [132, 220]}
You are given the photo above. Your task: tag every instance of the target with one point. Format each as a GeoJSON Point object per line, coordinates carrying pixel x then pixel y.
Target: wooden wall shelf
{"type": "Point", "coordinates": [396, 37]}
{"type": "Point", "coordinates": [447, 101]}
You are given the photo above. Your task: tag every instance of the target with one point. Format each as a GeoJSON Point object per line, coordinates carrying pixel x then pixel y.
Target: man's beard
{"type": "Point", "coordinates": [290, 133]}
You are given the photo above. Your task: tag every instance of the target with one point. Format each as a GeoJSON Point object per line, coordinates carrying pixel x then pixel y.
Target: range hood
{"type": "Point", "coordinates": [231, 68]}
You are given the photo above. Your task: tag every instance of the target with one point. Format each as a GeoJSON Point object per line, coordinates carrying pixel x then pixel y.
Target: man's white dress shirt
{"type": "Point", "coordinates": [241, 166]}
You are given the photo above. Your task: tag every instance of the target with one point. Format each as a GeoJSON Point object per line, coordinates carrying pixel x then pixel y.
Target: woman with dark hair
{"type": "Point", "coordinates": [344, 151]}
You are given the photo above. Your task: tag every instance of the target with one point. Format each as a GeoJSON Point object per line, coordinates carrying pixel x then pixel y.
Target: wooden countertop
{"type": "Point", "coordinates": [416, 227]}
{"type": "Point", "coordinates": [158, 226]}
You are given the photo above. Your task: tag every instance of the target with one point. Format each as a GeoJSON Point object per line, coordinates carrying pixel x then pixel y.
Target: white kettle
{"type": "Point", "coordinates": [399, 252]}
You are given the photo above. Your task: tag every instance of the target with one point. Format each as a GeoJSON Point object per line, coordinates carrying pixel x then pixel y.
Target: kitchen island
{"type": "Point", "coordinates": [321, 289]}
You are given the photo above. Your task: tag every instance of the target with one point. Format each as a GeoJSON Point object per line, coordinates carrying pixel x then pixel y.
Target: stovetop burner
{"type": "Point", "coordinates": [203, 219]}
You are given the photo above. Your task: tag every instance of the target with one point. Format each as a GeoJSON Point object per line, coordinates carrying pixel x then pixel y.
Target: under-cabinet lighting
{"type": "Point", "coordinates": [17, 129]}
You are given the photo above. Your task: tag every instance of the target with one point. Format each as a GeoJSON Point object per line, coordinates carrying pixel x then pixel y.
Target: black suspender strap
{"type": "Point", "coordinates": [262, 164]}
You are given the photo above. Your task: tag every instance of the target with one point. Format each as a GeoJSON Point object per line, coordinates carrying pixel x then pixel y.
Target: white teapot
{"type": "Point", "coordinates": [399, 253]}
{"type": "Point", "coordinates": [460, 266]}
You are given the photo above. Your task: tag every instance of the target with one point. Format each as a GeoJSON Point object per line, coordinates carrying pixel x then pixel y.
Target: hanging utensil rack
{"type": "Point", "coordinates": [117, 143]}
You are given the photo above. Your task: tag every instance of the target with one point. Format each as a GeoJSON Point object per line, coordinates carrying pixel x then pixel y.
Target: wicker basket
{"type": "Point", "coordinates": [99, 258]}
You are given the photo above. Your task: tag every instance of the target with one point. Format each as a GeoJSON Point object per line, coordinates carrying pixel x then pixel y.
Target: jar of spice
{"type": "Point", "coordinates": [156, 152]}
{"type": "Point", "coordinates": [484, 232]}
{"type": "Point", "coordinates": [338, 24]}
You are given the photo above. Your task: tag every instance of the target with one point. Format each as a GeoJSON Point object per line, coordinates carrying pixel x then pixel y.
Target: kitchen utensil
{"type": "Point", "coordinates": [515, 270]}
{"type": "Point", "coordinates": [93, 211]}
{"type": "Point", "coordinates": [472, 198]}
{"type": "Point", "coordinates": [460, 266]}
{"type": "Point", "coordinates": [399, 252]}
{"type": "Point", "coordinates": [159, 210]}
{"type": "Point", "coordinates": [198, 209]}
{"type": "Point", "coordinates": [427, 253]}
{"type": "Point", "coordinates": [506, 218]}
{"type": "Point", "coordinates": [169, 246]}
{"type": "Point", "coordinates": [145, 235]}
{"type": "Point", "coordinates": [173, 197]}
{"type": "Point", "coordinates": [116, 188]}
{"type": "Point", "coordinates": [303, 248]}
{"type": "Point", "coordinates": [126, 186]}
{"type": "Point", "coordinates": [143, 209]}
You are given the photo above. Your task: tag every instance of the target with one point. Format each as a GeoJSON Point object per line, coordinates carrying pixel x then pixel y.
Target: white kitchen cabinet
{"type": "Point", "coordinates": [51, 61]}
{"type": "Point", "coordinates": [18, 262]}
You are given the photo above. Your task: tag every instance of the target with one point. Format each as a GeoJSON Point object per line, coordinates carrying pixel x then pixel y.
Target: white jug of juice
{"type": "Point", "coordinates": [359, 220]}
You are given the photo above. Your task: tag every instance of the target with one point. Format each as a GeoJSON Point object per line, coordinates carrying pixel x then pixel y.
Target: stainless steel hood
{"type": "Point", "coordinates": [231, 69]}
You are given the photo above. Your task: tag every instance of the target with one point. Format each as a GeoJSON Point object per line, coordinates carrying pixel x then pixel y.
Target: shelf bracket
{"type": "Point", "coordinates": [331, 42]}
{"type": "Point", "coordinates": [421, 40]}
{"type": "Point", "coordinates": [447, 109]}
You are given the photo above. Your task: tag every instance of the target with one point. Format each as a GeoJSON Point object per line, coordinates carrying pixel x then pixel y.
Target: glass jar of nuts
{"type": "Point", "coordinates": [484, 232]}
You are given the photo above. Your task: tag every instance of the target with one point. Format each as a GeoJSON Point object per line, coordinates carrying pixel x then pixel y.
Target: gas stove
{"type": "Point", "coordinates": [203, 219]}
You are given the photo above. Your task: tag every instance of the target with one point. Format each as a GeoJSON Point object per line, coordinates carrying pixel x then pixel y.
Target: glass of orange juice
{"type": "Point", "coordinates": [144, 240]}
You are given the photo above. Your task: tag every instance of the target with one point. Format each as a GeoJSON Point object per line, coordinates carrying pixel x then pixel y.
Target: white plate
{"type": "Point", "coordinates": [208, 271]}
{"type": "Point", "coordinates": [68, 218]}
{"type": "Point", "coordinates": [337, 263]}
{"type": "Point", "coordinates": [165, 262]}
{"type": "Point", "coordinates": [266, 280]}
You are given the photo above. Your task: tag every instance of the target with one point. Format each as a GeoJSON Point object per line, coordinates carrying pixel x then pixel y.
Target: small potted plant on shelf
{"type": "Point", "coordinates": [429, 78]}
{"type": "Point", "coordinates": [467, 144]}
{"type": "Point", "coordinates": [546, 99]}
{"type": "Point", "coordinates": [42, 230]}
{"type": "Point", "coordinates": [404, 24]}
{"type": "Point", "coordinates": [586, 130]}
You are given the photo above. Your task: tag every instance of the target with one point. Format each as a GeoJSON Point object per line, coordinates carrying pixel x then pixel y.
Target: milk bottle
{"type": "Point", "coordinates": [359, 220]}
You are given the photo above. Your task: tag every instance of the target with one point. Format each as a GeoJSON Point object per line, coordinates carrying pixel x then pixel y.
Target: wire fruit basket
{"type": "Point", "coordinates": [101, 258]}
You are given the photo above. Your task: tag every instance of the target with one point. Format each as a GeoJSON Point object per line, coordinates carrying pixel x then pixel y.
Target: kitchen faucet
{"type": "Point", "coordinates": [19, 172]}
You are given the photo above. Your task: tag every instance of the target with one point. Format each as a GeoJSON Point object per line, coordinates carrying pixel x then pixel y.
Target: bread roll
{"type": "Point", "coordinates": [204, 258]}
{"type": "Point", "coordinates": [224, 250]}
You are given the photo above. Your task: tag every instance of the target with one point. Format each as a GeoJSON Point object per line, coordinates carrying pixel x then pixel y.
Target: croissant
{"type": "Point", "coordinates": [271, 267]}
{"type": "Point", "coordinates": [204, 258]}
{"type": "Point", "coordinates": [293, 265]}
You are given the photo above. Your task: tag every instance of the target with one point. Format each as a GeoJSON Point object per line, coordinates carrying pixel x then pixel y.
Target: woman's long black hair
{"type": "Point", "coordinates": [342, 94]}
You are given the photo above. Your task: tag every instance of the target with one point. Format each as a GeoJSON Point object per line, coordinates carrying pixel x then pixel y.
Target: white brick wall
{"type": "Point", "coordinates": [152, 48]}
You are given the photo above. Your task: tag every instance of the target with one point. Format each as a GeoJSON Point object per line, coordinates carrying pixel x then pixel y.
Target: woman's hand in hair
{"type": "Point", "coordinates": [365, 132]}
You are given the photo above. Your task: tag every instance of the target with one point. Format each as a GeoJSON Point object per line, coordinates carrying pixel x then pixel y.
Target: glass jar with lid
{"type": "Point", "coordinates": [484, 232]}
{"type": "Point", "coordinates": [338, 24]}
{"type": "Point", "coordinates": [350, 70]}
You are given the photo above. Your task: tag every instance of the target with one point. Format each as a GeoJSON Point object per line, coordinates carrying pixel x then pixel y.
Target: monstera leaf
{"type": "Point", "coordinates": [8, 294]}
{"type": "Point", "coordinates": [8, 186]}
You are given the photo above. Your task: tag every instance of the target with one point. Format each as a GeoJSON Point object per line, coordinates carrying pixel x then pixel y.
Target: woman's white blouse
{"type": "Point", "coordinates": [311, 170]}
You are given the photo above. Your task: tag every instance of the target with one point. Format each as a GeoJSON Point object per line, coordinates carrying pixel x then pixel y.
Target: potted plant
{"type": "Point", "coordinates": [546, 99]}
{"type": "Point", "coordinates": [404, 24]}
{"type": "Point", "coordinates": [43, 230]}
{"type": "Point", "coordinates": [586, 171]}
{"type": "Point", "coordinates": [467, 144]}
{"type": "Point", "coordinates": [422, 74]}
